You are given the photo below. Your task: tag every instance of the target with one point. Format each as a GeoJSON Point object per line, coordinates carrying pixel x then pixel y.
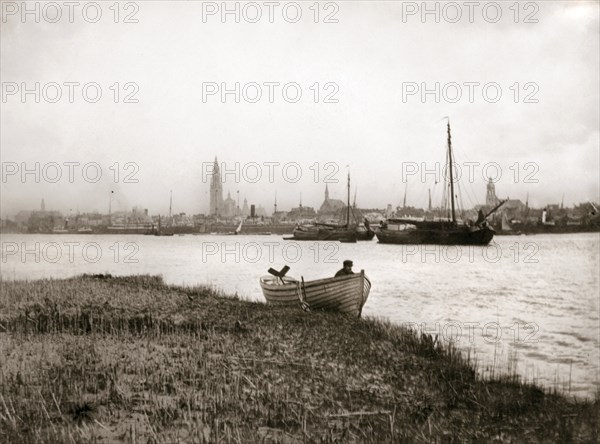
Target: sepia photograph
{"type": "Point", "coordinates": [299, 221]}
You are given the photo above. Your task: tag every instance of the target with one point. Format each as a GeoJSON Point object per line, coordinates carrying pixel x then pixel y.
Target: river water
{"type": "Point", "coordinates": [525, 304]}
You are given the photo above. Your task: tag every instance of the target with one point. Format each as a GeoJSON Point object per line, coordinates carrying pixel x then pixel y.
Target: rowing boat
{"type": "Point", "coordinates": [346, 294]}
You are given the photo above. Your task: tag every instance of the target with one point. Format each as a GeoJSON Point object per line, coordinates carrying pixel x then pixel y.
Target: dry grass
{"type": "Point", "coordinates": [132, 360]}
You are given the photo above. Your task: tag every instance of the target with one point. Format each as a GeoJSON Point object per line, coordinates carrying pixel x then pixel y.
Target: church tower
{"type": "Point", "coordinates": [216, 191]}
{"type": "Point", "coordinates": [490, 198]}
{"type": "Point", "coordinates": [326, 193]}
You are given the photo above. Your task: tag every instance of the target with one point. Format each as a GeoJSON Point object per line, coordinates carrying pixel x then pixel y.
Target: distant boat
{"type": "Point", "coordinates": [330, 232]}
{"type": "Point", "coordinates": [84, 230]}
{"type": "Point", "coordinates": [238, 230]}
{"type": "Point", "coordinates": [322, 232]}
{"type": "Point", "coordinates": [346, 294]}
{"type": "Point", "coordinates": [442, 231]}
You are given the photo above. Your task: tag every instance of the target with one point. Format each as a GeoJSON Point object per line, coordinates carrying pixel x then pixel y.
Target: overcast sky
{"type": "Point", "coordinates": [372, 64]}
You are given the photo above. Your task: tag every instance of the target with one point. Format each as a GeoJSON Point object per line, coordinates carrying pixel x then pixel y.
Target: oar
{"type": "Point", "coordinates": [280, 274]}
{"type": "Point", "coordinates": [303, 302]}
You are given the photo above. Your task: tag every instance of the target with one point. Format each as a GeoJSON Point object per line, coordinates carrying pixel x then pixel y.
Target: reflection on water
{"type": "Point", "coordinates": [528, 303]}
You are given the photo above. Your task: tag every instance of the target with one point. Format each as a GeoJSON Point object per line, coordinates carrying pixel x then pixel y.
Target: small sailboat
{"type": "Point", "coordinates": [238, 230]}
{"type": "Point", "coordinates": [345, 294]}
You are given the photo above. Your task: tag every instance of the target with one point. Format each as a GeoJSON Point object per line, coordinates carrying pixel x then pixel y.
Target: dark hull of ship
{"type": "Point", "coordinates": [325, 235]}
{"type": "Point", "coordinates": [444, 236]}
{"type": "Point", "coordinates": [364, 235]}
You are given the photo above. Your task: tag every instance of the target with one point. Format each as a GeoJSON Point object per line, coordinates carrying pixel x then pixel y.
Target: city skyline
{"type": "Point", "coordinates": [116, 205]}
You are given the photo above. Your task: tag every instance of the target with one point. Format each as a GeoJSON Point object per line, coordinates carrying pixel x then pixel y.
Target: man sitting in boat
{"type": "Point", "coordinates": [346, 270]}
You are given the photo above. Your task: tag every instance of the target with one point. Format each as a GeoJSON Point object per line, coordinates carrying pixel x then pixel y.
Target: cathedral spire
{"type": "Point", "coordinates": [326, 192]}
{"type": "Point", "coordinates": [216, 190]}
{"type": "Point", "coordinates": [491, 199]}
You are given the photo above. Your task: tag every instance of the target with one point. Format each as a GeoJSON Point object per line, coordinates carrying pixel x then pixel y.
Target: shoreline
{"type": "Point", "coordinates": [132, 359]}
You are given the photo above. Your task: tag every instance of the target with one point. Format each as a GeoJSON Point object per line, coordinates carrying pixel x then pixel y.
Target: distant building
{"type": "Point", "coordinates": [514, 206]}
{"type": "Point", "coordinates": [330, 208]}
{"type": "Point", "coordinates": [302, 213]}
{"type": "Point", "coordinates": [228, 208]}
{"type": "Point", "coordinates": [261, 212]}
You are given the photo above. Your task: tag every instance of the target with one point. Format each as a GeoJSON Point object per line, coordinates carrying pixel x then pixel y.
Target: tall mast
{"type": "Point", "coordinates": [170, 204]}
{"type": "Point", "coordinates": [429, 206]}
{"type": "Point", "coordinates": [451, 174]}
{"type": "Point", "coordinates": [110, 207]}
{"type": "Point", "coordinates": [348, 206]}
{"type": "Point", "coordinates": [404, 200]}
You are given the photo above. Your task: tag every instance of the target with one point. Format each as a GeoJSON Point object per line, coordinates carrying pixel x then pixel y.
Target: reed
{"type": "Point", "coordinates": [133, 360]}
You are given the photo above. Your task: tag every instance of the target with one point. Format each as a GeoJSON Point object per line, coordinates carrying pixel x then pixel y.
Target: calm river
{"type": "Point", "coordinates": [528, 304]}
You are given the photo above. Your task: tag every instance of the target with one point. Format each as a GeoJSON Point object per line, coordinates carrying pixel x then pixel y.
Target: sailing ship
{"type": "Point", "coordinates": [447, 231]}
{"type": "Point", "coordinates": [345, 294]}
{"type": "Point", "coordinates": [334, 232]}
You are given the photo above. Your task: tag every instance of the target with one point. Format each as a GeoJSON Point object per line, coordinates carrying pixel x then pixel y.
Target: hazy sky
{"type": "Point", "coordinates": [372, 64]}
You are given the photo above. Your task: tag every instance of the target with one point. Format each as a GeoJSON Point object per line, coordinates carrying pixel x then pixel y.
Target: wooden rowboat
{"type": "Point", "coordinates": [346, 294]}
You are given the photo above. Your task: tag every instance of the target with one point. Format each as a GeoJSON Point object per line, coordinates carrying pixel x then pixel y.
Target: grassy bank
{"type": "Point", "coordinates": [132, 360]}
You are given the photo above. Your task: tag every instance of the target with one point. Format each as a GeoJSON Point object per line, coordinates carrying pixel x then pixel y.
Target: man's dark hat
{"type": "Point", "coordinates": [348, 262]}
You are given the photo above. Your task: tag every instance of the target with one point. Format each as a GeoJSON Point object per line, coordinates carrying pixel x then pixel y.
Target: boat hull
{"type": "Point", "coordinates": [449, 236]}
{"type": "Point", "coordinates": [322, 234]}
{"type": "Point", "coordinates": [345, 294]}
{"type": "Point", "coordinates": [365, 235]}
